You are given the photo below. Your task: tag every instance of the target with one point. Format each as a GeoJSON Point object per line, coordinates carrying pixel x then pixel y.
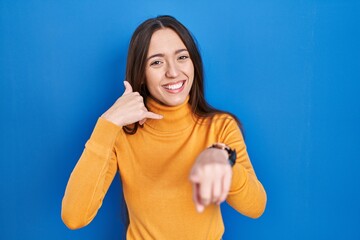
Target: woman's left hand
{"type": "Point", "coordinates": [210, 177]}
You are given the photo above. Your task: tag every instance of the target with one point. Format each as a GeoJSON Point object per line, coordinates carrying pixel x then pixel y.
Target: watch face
{"type": "Point", "coordinates": [232, 157]}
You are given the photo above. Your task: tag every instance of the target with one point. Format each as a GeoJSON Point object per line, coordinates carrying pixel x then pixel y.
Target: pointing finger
{"type": "Point", "coordinates": [195, 180]}
{"type": "Point", "coordinates": [196, 198]}
{"type": "Point", "coordinates": [205, 192]}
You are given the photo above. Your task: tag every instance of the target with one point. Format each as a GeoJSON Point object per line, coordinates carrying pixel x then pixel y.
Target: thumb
{"type": "Point", "coordinates": [128, 88]}
{"type": "Point", "coordinates": [194, 177]}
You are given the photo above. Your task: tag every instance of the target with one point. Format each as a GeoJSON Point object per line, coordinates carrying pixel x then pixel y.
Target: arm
{"type": "Point", "coordinates": [97, 165]}
{"type": "Point", "coordinates": [214, 181]}
{"type": "Point", "coordinates": [246, 194]}
{"type": "Point", "coordinates": [91, 176]}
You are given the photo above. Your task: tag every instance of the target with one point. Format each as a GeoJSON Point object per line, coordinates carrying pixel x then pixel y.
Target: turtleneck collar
{"type": "Point", "coordinates": [175, 118]}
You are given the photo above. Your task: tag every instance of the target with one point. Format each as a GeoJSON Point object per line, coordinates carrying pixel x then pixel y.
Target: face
{"type": "Point", "coordinates": [169, 69]}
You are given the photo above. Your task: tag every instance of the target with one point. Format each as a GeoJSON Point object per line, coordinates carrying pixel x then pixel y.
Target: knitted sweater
{"type": "Point", "coordinates": [154, 166]}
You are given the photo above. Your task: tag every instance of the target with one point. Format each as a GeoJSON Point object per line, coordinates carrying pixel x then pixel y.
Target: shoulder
{"type": "Point", "coordinates": [218, 119]}
{"type": "Point", "coordinates": [223, 119]}
{"type": "Point", "coordinates": [226, 126]}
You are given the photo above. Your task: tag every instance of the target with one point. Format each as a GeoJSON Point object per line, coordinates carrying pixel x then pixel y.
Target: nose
{"type": "Point", "coordinates": [172, 70]}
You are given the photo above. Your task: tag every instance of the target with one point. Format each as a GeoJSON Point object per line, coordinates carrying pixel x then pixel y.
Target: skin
{"type": "Point", "coordinates": [168, 63]}
{"type": "Point", "coordinates": [169, 77]}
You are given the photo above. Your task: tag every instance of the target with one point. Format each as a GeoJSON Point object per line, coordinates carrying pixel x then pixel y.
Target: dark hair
{"type": "Point", "coordinates": [136, 62]}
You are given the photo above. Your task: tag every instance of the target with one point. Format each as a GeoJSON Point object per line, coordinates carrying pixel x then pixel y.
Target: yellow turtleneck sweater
{"type": "Point", "coordinates": [154, 165]}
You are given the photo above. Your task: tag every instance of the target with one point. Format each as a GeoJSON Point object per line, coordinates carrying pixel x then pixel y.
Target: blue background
{"type": "Point", "coordinates": [288, 69]}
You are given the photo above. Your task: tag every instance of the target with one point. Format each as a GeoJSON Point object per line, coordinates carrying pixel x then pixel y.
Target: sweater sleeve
{"type": "Point", "coordinates": [246, 194]}
{"type": "Point", "coordinates": [91, 177]}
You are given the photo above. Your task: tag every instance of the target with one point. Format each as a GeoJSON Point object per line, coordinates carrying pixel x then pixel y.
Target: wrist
{"type": "Point", "coordinates": [230, 153]}
{"type": "Point", "coordinates": [107, 117]}
{"type": "Point", "coordinates": [221, 154]}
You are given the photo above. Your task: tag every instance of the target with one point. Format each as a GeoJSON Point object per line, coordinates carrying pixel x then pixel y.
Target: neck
{"type": "Point", "coordinates": [175, 118]}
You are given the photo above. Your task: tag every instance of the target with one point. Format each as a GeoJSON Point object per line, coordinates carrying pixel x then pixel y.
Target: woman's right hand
{"type": "Point", "coordinates": [128, 109]}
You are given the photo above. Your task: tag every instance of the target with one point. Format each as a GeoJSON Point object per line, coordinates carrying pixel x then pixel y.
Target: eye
{"type": "Point", "coordinates": [155, 63]}
{"type": "Point", "coordinates": [183, 57]}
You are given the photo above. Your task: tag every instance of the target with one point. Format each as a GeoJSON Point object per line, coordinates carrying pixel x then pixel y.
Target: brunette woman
{"type": "Point", "coordinates": [178, 157]}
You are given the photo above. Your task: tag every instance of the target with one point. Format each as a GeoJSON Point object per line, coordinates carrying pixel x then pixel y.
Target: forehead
{"type": "Point", "coordinates": [165, 41]}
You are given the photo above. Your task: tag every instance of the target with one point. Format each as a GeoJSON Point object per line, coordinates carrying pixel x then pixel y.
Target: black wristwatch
{"type": "Point", "coordinates": [231, 152]}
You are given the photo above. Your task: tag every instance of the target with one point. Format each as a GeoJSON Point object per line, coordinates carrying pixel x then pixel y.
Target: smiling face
{"type": "Point", "coordinates": [169, 70]}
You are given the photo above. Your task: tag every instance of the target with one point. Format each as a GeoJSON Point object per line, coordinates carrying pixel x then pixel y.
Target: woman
{"type": "Point", "coordinates": [157, 134]}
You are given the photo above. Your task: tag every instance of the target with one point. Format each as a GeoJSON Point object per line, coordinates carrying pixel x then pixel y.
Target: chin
{"type": "Point", "coordinates": [175, 102]}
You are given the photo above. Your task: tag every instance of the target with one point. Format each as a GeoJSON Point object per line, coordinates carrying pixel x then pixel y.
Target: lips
{"type": "Point", "coordinates": [175, 87]}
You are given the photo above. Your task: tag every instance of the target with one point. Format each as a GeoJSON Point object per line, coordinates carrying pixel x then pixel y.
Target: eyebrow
{"type": "Point", "coordinates": [162, 55]}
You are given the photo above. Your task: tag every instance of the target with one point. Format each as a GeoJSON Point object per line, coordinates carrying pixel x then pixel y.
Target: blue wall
{"type": "Point", "coordinates": [288, 69]}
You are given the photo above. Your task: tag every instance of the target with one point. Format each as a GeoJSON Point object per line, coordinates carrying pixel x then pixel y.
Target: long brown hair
{"type": "Point", "coordinates": [136, 62]}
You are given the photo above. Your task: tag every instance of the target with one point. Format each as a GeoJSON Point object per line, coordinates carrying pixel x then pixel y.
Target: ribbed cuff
{"type": "Point", "coordinates": [103, 135]}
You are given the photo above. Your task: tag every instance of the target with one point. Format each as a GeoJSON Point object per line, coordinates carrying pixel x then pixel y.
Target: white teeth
{"type": "Point", "coordinates": [175, 86]}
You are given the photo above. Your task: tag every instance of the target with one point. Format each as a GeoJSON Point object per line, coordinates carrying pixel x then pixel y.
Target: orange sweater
{"type": "Point", "coordinates": [154, 166]}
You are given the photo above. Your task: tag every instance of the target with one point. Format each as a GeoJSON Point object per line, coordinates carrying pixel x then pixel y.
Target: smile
{"type": "Point", "coordinates": [174, 87]}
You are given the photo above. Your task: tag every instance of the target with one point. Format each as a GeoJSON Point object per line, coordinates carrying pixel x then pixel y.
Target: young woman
{"type": "Point", "coordinates": [178, 157]}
